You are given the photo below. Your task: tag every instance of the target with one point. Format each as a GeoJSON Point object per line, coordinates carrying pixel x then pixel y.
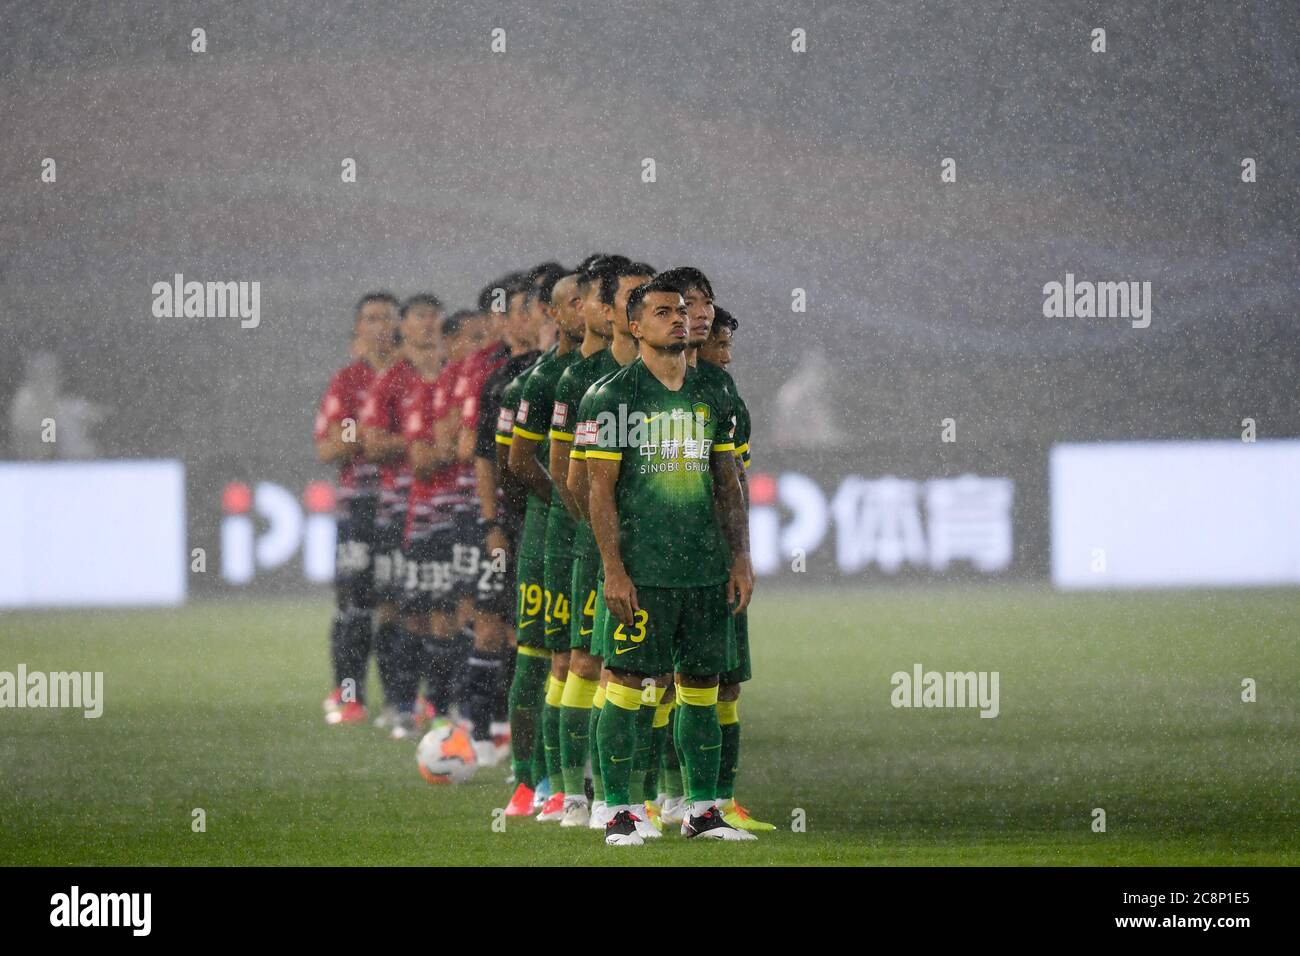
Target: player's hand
{"type": "Point", "coordinates": [620, 596]}
{"type": "Point", "coordinates": [740, 583]}
{"type": "Point", "coordinates": [497, 544]}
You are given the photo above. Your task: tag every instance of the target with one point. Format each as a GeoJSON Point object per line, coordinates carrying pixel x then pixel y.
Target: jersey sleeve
{"type": "Point", "coordinates": [724, 441]}
{"type": "Point", "coordinates": [564, 410]}
{"type": "Point", "coordinates": [742, 431]}
{"type": "Point", "coordinates": [419, 420]}
{"type": "Point", "coordinates": [602, 440]}
{"type": "Point", "coordinates": [377, 408]}
{"type": "Point", "coordinates": [333, 406]}
{"type": "Point", "coordinates": [486, 424]}
{"type": "Point", "coordinates": [533, 416]}
{"type": "Point", "coordinates": [584, 430]}
{"type": "Point", "coordinates": [505, 428]}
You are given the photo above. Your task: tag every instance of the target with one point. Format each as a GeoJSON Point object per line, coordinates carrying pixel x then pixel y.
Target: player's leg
{"type": "Point", "coordinates": [532, 661]}
{"type": "Point", "coordinates": [672, 807]}
{"type": "Point", "coordinates": [654, 794]}
{"type": "Point", "coordinates": [558, 580]}
{"type": "Point", "coordinates": [703, 648]}
{"type": "Point", "coordinates": [580, 689]}
{"type": "Point", "coordinates": [419, 574]}
{"type": "Point", "coordinates": [388, 625]}
{"type": "Point", "coordinates": [486, 663]}
{"type": "Point", "coordinates": [440, 645]}
{"type": "Point", "coordinates": [352, 631]}
{"type": "Point", "coordinates": [729, 722]}
{"type": "Point", "coordinates": [633, 653]}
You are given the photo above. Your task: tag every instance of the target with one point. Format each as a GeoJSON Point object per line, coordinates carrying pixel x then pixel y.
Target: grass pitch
{"type": "Point", "coordinates": [1130, 702]}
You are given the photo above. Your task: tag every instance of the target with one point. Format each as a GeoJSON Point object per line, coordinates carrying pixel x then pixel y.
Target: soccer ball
{"type": "Point", "coordinates": [446, 754]}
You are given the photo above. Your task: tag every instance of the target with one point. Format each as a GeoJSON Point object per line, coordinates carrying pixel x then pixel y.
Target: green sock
{"type": "Point", "coordinates": [551, 742]}
{"type": "Point", "coordinates": [539, 749]}
{"type": "Point", "coordinates": [657, 737]}
{"type": "Point", "coordinates": [617, 734]}
{"type": "Point", "coordinates": [641, 755]}
{"type": "Point", "coordinates": [728, 761]}
{"type": "Point", "coordinates": [593, 741]}
{"type": "Point", "coordinates": [575, 721]}
{"type": "Point", "coordinates": [530, 674]}
{"type": "Point", "coordinates": [671, 767]}
{"type": "Point", "coordinates": [551, 733]}
{"type": "Point", "coordinates": [699, 739]}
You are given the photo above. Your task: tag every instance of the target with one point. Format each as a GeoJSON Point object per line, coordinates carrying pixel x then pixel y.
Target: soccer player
{"type": "Point", "coordinates": [337, 442]}
{"type": "Point", "coordinates": [607, 347]}
{"type": "Point", "coordinates": [541, 607]}
{"type": "Point", "coordinates": [390, 400]}
{"type": "Point", "coordinates": [531, 662]}
{"type": "Point", "coordinates": [499, 523]}
{"type": "Point", "coordinates": [437, 505]}
{"type": "Point", "coordinates": [669, 519]}
{"type": "Point", "coordinates": [715, 352]}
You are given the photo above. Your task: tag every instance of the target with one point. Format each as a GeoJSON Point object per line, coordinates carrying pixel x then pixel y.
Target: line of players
{"type": "Point", "coordinates": [574, 590]}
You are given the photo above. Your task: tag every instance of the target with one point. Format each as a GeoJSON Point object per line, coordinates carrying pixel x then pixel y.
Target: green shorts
{"type": "Point", "coordinates": [557, 585]}
{"type": "Point", "coordinates": [530, 572]}
{"type": "Point", "coordinates": [584, 583]}
{"type": "Point", "coordinates": [742, 671]}
{"type": "Point", "coordinates": [688, 630]}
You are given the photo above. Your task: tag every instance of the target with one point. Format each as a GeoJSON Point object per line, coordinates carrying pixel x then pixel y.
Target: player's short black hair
{"type": "Point", "coordinates": [544, 277]}
{"type": "Point", "coordinates": [425, 300]}
{"type": "Point", "coordinates": [609, 278]}
{"type": "Point", "coordinates": [722, 319]}
{"type": "Point", "coordinates": [453, 323]}
{"type": "Point", "coordinates": [596, 265]}
{"type": "Point", "coordinates": [513, 283]}
{"type": "Point", "coordinates": [658, 284]}
{"type": "Point", "coordinates": [369, 297]}
{"type": "Point", "coordinates": [688, 277]}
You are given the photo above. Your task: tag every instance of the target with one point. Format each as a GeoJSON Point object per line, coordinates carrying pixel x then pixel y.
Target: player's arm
{"type": "Point", "coordinates": [729, 504]}
{"type": "Point", "coordinates": [424, 458]}
{"type": "Point", "coordinates": [560, 474]}
{"type": "Point", "coordinates": [525, 466]}
{"type": "Point", "coordinates": [377, 441]}
{"type": "Point", "coordinates": [620, 592]}
{"type": "Point", "coordinates": [446, 438]}
{"type": "Point", "coordinates": [332, 449]}
{"type": "Point", "coordinates": [467, 439]}
{"type": "Point", "coordinates": [576, 482]}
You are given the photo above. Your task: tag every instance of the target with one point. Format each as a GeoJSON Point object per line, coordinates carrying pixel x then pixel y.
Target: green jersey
{"type": "Point", "coordinates": [664, 442]}
{"type": "Point", "coordinates": [720, 378]}
{"type": "Point", "coordinates": [569, 393]}
{"type": "Point", "coordinates": [533, 414]}
{"type": "Point", "coordinates": [510, 396]}
{"type": "Point", "coordinates": [742, 431]}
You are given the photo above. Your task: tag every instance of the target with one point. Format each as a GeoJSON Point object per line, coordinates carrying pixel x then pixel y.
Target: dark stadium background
{"type": "Point", "coordinates": [775, 171]}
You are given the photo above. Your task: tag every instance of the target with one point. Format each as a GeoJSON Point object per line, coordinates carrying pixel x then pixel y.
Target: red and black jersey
{"type": "Point", "coordinates": [392, 396]}
{"type": "Point", "coordinates": [342, 401]}
{"type": "Point", "coordinates": [467, 392]}
{"type": "Point", "coordinates": [432, 500]}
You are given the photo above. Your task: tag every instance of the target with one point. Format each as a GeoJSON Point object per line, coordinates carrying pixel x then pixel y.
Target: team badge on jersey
{"type": "Point", "coordinates": [505, 420]}
{"type": "Point", "coordinates": [522, 417]}
{"type": "Point", "coordinates": [560, 415]}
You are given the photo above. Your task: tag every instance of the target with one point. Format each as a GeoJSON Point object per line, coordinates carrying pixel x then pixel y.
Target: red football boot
{"type": "Point", "coordinates": [521, 804]}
